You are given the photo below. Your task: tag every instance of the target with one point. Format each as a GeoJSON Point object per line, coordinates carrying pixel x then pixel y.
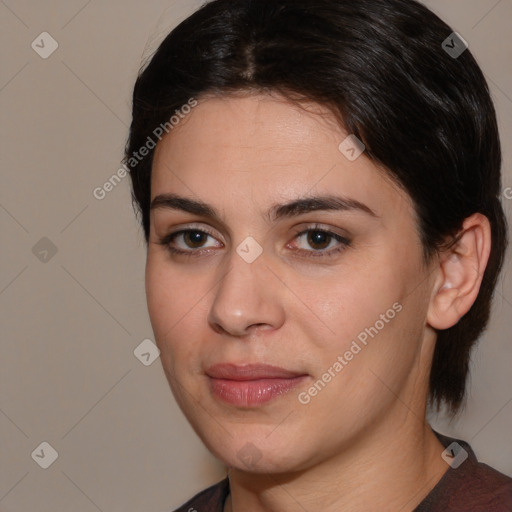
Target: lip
{"type": "Point", "coordinates": [250, 372]}
{"type": "Point", "coordinates": [252, 384]}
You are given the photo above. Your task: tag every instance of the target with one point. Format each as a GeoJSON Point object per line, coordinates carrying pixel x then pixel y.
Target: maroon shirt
{"type": "Point", "coordinates": [471, 487]}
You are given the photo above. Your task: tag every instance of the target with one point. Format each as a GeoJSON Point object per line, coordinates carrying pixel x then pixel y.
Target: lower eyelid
{"type": "Point", "coordinates": [324, 253]}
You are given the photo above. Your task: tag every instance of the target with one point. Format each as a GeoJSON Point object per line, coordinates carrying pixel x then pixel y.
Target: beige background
{"type": "Point", "coordinates": [68, 374]}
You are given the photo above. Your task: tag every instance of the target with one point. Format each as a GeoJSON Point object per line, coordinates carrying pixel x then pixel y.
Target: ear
{"type": "Point", "coordinates": [460, 272]}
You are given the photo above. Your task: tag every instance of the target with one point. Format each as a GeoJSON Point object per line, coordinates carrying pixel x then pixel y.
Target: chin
{"type": "Point", "coordinates": [257, 453]}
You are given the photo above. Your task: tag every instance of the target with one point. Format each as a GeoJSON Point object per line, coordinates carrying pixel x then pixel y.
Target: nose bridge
{"type": "Point", "coordinates": [245, 296]}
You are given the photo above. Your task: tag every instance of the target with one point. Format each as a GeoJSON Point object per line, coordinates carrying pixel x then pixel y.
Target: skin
{"type": "Point", "coordinates": [364, 435]}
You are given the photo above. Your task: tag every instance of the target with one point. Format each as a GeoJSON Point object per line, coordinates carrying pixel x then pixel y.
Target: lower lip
{"type": "Point", "coordinates": [249, 393]}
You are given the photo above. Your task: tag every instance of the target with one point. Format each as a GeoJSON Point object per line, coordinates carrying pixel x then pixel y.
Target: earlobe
{"type": "Point", "coordinates": [460, 271]}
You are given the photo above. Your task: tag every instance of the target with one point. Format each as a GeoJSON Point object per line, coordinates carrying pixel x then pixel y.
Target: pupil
{"type": "Point", "coordinates": [195, 238]}
{"type": "Point", "coordinates": [316, 238]}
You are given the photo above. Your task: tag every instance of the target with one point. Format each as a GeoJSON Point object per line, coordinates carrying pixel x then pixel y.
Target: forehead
{"type": "Point", "coordinates": [266, 149]}
{"type": "Point", "coordinates": [266, 128]}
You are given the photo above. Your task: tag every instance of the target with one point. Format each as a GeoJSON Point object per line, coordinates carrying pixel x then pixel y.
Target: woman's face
{"type": "Point", "coordinates": [293, 255]}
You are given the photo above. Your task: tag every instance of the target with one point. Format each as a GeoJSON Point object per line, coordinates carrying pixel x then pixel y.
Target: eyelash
{"type": "Point", "coordinates": [167, 240]}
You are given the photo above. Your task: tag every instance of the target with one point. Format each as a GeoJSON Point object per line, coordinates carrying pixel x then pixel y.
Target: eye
{"type": "Point", "coordinates": [188, 241]}
{"type": "Point", "coordinates": [319, 242]}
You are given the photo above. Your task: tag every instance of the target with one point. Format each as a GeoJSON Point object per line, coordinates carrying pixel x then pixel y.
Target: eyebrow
{"type": "Point", "coordinates": [291, 209]}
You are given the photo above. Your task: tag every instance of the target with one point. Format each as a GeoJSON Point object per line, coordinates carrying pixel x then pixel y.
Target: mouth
{"type": "Point", "coordinates": [251, 385]}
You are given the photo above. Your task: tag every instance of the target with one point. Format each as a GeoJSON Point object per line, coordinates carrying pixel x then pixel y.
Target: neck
{"type": "Point", "coordinates": [385, 470]}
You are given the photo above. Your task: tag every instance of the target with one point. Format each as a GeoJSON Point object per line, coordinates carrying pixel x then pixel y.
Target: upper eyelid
{"type": "Point", "coordinates": [180, 232]}
{"type": "Point", "coordinates": [191, 227]}
{"type": "Point", "coordinates": [297, 231]}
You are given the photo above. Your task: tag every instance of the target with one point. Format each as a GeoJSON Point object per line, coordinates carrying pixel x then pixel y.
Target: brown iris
{"type": "Point", "coordinates": [319, 238]}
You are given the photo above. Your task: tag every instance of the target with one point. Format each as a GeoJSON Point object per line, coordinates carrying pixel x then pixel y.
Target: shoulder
{"type": "Point", "coordinates": [468, 484]}
{"type": "Point", "coordinates": [209, 500]}
{"type": "Point", "coordinates": [483, 488]}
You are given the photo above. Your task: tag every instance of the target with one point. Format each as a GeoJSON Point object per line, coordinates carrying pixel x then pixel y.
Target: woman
{"type": "Point", "coordinates": [318, 183]}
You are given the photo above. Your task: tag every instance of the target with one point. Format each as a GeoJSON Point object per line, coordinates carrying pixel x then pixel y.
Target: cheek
{"type": "Point", "coordinates": [344, 306]}
{"type": "Point", "coordinates": [369, 318]}
{"type": "Point", "coordinates": [174, 301]}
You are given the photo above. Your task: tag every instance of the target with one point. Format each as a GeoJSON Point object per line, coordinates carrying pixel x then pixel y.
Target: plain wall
{"type": "Point", "coordinates": [72, 320]}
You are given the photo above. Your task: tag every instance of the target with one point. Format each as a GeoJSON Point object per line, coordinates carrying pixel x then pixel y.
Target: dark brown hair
{"type": "Point", "coordinates": [380, 66]}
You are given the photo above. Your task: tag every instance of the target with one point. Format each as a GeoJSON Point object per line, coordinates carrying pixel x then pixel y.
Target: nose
{"type": "Point", "coordinates": [248, 297]}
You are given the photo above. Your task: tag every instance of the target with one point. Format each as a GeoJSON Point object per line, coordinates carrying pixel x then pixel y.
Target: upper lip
{"type": "Point", "coordinates": [250, 372]}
